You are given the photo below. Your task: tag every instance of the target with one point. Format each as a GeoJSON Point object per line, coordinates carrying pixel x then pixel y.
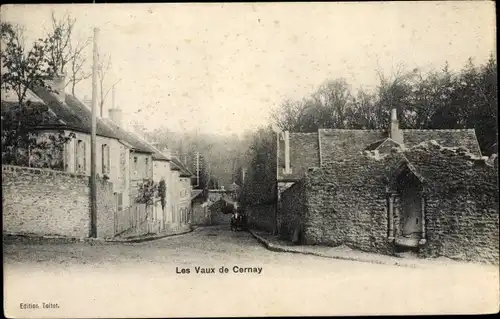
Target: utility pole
{"type": "Point", "coordinates": [209, 174]}
{"type": "Point", "coordinates": [197, 168]}
{"type": "Point", "coordinates": [93, 186]}
{"type": "Point", "coordinates": [276, 212]}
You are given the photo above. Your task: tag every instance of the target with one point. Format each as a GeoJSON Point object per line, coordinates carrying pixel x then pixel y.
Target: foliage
{"type": "Point", "coordinates": [23, 70]}
{"type": "Point", "coordinates": [22, 145]}
{"type": "Point", "coordinates": [162, 192]}
{"type": "Point", "coordinates": [261, 177]}
{"type": "Point", "coordinates": [437, 100]}
{"type": "Point", "coordinates": [147, 192]}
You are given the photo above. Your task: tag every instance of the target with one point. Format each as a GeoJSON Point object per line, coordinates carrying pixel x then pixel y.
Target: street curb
{"type": "Point", "coordinates": [97, 240]}
{"type": "Point", "coordinates": [148, 238]}
{"type": "Point", "coordinates": [273, 247]}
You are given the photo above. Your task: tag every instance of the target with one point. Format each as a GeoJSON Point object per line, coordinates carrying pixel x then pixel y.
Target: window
{"type": "Point", "coordinates": [146, 167]}
{"type": "Point", "coordinates": [135, 165]}
{"type": "Point", "coordinates": [119, 201]}
{"type": "Point", "coordinates": [105, 166]}
{"type": "Point", "coordinates": [80, 157]}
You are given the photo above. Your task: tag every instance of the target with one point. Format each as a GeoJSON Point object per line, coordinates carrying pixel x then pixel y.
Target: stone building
{"type": "Point", "coordinates": [426, 191]}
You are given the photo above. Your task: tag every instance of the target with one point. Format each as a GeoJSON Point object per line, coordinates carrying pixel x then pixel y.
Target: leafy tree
{"type": "Point", "coordinates": [25, 69]}
{"type": "Point", "coordinates": [162, 192]}
{"type": "Point", "coordinates": [436, 100]}
{"type": "Point", "coordinates": [259, 186]}
{"type": "Point", "coordinates": [147, 192]}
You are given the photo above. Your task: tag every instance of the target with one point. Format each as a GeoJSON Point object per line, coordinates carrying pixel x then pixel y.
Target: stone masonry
{"type": "Point", "coordinates": [346, 202]}
{"type": "Point", "coordinates": [293, 205]}
{"type": "Point", "coordinates": [261, 216]}
{"type": "Point", "coordinates": [55, 203]}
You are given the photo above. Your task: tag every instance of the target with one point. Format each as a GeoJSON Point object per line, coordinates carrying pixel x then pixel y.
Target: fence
{"type": "Point", "coordinates": [132, 219]}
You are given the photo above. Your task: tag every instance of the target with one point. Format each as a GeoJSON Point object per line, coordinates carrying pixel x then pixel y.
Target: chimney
{"type": "Point", "coordinates": [286, 137]}
{"type": "Point", "coordinates": [115, 113]}
{"type": "Point", "coordinates": [394, 132]}
{"type": "Point", "coordinates": [57, 85]}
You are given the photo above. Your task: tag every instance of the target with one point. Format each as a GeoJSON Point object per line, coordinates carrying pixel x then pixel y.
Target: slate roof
{"type": "Point", "coordinates": [448, 138]}
{"type": "Point", "coordinates": [74, 115]}
{"type": "Point", "coordinates": [334, 144]}
{"type": "Point", "coordinates": [178, 165]}
{"type": "Point", "coordinates": [337, 143]}
{"type": "Point", "coordinates": [195, 193]}
{"type": "Point", "coordinates": [135, 142]}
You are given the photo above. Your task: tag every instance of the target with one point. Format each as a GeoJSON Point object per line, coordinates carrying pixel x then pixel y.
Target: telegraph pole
{"type": "Point", "coordinates": [93, 186]}
{"type": "Point", "coordinates": [197, 168]}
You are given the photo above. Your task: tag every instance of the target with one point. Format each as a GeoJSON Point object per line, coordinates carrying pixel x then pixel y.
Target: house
{"type": "Point", "coordinates": [69, 167]}
{"type": "Point", "coordinates": [69, 115]}
{"type": "Point", "coordinates": [150, 163]}
{"type": "Point", "coordinates": [181, 191]}
{"type": "Point", "coordinates": [425, 191]}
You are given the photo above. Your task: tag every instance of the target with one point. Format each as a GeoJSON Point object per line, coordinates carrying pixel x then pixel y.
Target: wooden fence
{"type": "Point", "coordinates": [132, 219]}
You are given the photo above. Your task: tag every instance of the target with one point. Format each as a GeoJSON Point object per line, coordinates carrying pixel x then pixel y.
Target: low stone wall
{"type": "Point", "coordinates": [53, 203]}
{"type": "Point", "coordinates": [261, 217]}
{"type": "Point", "coordinates": [347, 203]}
{"type": "Point", "coordinates": [291, 212]}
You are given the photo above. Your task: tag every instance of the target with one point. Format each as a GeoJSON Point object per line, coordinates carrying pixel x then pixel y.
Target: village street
{"type": "Point", "coordinates": [128, 279]}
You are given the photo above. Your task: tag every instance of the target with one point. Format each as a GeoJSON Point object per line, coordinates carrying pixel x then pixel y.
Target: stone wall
{"type": "Point", "coordinates": [261, 217]}
{"type": "Point", "coordinates": [462, 219]}
{"type": "Point", "coordinates": [291, 211]}
{"type": "Point", "coordinates": [346, 203]}
{"type": "Point", "coordinates": [55, 203]}
{"type": "Point", "coordinates": [106, 209]}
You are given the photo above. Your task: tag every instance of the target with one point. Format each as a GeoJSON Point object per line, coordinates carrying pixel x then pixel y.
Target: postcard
{"type": "Point", "coordinates": [249, 159]}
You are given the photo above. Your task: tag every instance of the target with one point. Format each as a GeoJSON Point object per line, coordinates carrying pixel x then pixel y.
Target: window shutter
{"type": "Point", "coordinates": [108, 160]}
{"type": "Point", "coordinates": [103, 157]}
{"type": "Point", "coordinates": [76, 158]}
{"type": "Point", "coordinates": [84, 150]}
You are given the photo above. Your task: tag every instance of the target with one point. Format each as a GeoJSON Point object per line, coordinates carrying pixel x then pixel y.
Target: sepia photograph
{"type": "Point", "coordinates": [249, 159]}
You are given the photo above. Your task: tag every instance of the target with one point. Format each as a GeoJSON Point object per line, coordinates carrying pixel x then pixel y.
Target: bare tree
{"type": "Point", "coordinates": [77, 71]}
{"type": "Point", "coordinates": [103, 68]}
{"type": "Point", "coordinates": [65, 54]}
{"type": "Point", "coordinates": [62, 30]}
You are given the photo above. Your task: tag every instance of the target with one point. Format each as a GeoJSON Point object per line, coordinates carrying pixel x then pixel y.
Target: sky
{"type": "Point", "coordinates": [221, 68]}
